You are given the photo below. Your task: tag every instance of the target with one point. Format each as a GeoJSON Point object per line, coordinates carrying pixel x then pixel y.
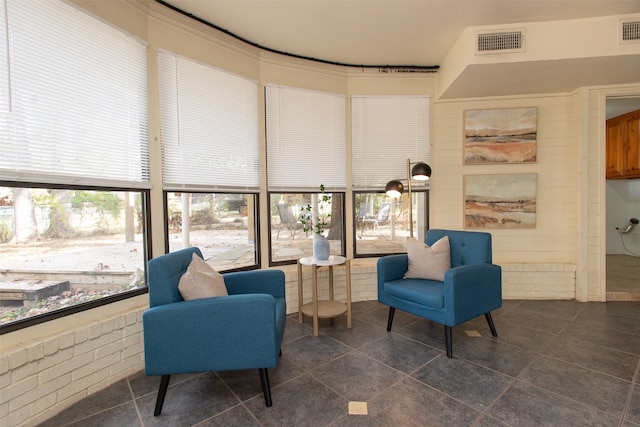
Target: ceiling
{"type": "Point", "coordinates": [418, 33]}
{"type": "Point", "coordinates": [618, 106]}
{"type": "Point", "coordinates": [381, 32]}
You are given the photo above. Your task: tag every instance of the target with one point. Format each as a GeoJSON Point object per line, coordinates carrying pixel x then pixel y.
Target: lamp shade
{"type": "Point", "coordinates": [420, 172]}
{"type": "Point", "coordinates": [394, 188]}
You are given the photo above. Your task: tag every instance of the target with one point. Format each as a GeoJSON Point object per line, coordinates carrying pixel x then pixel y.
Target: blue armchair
{"type": "Point", "coordinates": [472, 287]}
{"type": "Point", "coordinates": [243, 330]}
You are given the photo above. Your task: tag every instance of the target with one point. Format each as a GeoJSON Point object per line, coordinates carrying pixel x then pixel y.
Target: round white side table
{"type": "Point", "coordinates": [324, 308]}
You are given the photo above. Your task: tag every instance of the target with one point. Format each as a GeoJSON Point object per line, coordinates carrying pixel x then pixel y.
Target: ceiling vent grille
{"type": "Point", "coordinates": [630, 31]}
{"type": "Point", "coordinates": [500, 42]}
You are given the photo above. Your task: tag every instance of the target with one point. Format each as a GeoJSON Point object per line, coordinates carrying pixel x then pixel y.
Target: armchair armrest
{"type": "Point", "coordinates": [472, 290]}
{"type": "Point", "coordinates": [239, 330]}
{"type": "Point", "coordinates": [270, 282]}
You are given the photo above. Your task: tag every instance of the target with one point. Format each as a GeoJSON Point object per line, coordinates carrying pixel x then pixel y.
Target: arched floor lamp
{"type": "Point", "coordinates": [394, 188]}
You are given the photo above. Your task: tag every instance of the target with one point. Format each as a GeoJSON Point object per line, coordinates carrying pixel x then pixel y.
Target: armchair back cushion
{"type": "Point", "coordinates": [467, 248]}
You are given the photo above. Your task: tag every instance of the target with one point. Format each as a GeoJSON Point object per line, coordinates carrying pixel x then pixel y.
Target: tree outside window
{"type": "Point", "coordinates": [289, 241]}
{"type": "Point", "coordinates": [66, 247]}
{"type": "Point", "coordinates": [222, 225]}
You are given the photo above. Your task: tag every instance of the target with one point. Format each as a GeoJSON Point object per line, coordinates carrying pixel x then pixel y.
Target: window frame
{"type": "Point", "coordinates": [257, 252]}
{"type": "Point", "coordinates": [425, 220]}
{"type": "Point", "coordinates": [84, 306]}
{"type": "Point", "coordinates": [343, 244]}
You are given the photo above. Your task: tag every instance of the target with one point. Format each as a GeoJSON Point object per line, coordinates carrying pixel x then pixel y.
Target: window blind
{"type": "Point", "coordinates": [306, 143]}
{"type": "Point", "coordinates": [386, 131]}
{"type": "Point", "coordinates": [74, 98]}
{"type": "Point", "coordinates": [208, 126]}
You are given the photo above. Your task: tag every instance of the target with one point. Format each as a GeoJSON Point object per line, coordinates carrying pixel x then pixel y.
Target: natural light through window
{"type": "Point", "coordinates": [61, 248]}
{"type": "Point", "coordinates": [222, 226]}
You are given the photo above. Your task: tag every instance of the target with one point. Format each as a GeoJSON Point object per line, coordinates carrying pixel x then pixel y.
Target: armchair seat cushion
{"type": "Point", "coordinates": [429, 293]}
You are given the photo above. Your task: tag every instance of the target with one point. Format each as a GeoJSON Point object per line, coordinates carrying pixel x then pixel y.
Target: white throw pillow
{"type": "Point", "coordinates": [428, 262]}
{"type": "Point", "coordinates": [201, 281]}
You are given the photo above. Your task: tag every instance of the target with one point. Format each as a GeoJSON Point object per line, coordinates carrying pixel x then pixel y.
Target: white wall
{"type": "Point", "coordinates": [623, 203]}
{"type": "Point", "coordinates": [633, 242]}
{"type": "Point", "coordinates": [554, 237]}
{"type": "Point", "coordinates": [553, 240]}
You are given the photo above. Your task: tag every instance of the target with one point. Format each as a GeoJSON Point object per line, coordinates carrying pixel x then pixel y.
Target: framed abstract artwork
{"type": "Point", "coordinates": [500, 201]}
{"type": "Point", "coordinates": [505, 135]}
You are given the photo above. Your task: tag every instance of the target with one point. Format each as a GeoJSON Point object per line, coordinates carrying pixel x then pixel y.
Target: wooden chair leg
{"type": "Point", "coordinates": [266, 388]}
{"type": "Point", "coordinates": [162, 391]}
{"type": "Point", "coordinates": [448, 338]}
{"type": "Point", "coordinates": [392, 311]}
{"type": "Point", "coordinates": [491, 325]}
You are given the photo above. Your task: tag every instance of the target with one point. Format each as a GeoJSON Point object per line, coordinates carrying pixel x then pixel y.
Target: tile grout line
{"type": "Point", "coordinates": [506, 389]}
{"type": "Point", "coordinates": [630, 394]}
{"type": "Point", "coordinates": [540, 355]}
{"type": "Point", "coordinates": [135, 403]}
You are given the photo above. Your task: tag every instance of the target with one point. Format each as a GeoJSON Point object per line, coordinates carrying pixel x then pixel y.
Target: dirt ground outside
{"type": "Point", "coordinates": [27, 266]}
{"type": "Point", "coordinates": [118, 266]}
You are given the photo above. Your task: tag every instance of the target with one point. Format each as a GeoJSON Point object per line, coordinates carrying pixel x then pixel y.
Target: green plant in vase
{"type": "Point", "coordinates": [315, 219]}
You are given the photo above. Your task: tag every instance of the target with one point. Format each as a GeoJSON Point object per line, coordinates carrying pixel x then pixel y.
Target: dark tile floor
{"type": "Point", "coordinates": [554, 363]}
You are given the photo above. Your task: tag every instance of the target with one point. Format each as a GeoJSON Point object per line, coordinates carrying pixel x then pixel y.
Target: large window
{"type": "Point", "coordinates": [208, 126]}
{"type": "Point", "coordinates": [306, 148]}
{"type": "Point", "coordinates": [292, 233]}
{"type": "Point", "coordinates": [75, 109]}
{"type": "Point", "coordinates": [209, 132]}
{"type": "Point", "coordinates": [74, 165]}
{"type": "Point", "coordinates": [63, 248]}
{"type": "Point", "coordinates": [386, 131]}
{"type": "Point", "coordinates": [382, 223]}
{"type": "Point", "coordinates": [223, 225]}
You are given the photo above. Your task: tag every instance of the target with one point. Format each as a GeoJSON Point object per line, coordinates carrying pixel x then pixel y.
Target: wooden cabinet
{"type": "Point", "coordinates": [623, 146]}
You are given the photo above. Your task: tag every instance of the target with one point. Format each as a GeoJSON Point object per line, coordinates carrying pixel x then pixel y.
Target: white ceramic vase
{"type": "Point", "coordinates": [321, 248]}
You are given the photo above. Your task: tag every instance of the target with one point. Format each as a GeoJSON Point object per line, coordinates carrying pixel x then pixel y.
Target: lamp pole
{"type": "Point", "coordinates": [409, 178]}
{"type": "Point", "coordinates": [394, 188]}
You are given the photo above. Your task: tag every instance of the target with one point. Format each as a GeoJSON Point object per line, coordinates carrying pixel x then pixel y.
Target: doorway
{"type": "Point", "coordinates": [622, 233]}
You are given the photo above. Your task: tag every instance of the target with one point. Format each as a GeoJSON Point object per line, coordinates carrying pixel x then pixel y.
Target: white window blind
{"type": "Point", "coordinates": [74, 98]}
{"type": "Point", "coordinates": [306, 142]}
{"type": "Point", "coordinates": [386, 131]}
{"type": "Point", "coordinates": [208, 125]}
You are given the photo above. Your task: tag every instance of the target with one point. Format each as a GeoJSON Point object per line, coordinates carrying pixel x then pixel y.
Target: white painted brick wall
{"type": "Point", "coordinates": [519, 281]}
{"type": "Point", "coordinates": [39, 380]}
{"type": "Point", "coordinates": [538, 281]}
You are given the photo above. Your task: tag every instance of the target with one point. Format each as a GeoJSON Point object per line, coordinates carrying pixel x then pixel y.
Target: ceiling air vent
{"type": "Point", "coordinates": [500, 42]}
{"type": "Point", "coordinates": [630, 31]}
